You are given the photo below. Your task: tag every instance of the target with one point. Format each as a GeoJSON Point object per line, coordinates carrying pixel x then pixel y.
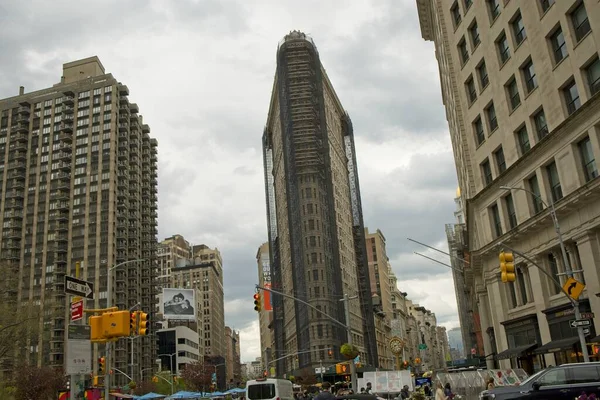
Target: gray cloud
{"type": "Point", "coordinates": [202, 73]}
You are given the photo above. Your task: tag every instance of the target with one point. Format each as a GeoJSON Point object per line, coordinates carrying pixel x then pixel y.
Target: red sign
{"type": "Point", "coordinates": [77, 310]}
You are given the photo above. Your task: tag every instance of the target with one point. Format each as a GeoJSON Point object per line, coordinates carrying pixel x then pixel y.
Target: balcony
{"type": "Point", "coordinates": [14, 244]}
{"type": "Point", "coordinates": [65, 166]}
{"type": "Point", "coordinates": [16, 174]}
{"type": "Point", "coordinates": [123, 155]}
{"type": "Point", "coordinates": [12, 254]}
{"type": "Point", "coordinates": [123, 145]}
{"type": "Point", "coordinates": [22, 119]}
{"type": "Point", "coordinates": [68, 100]}
{"type": "Point", "coordinates": [123, 115]}
{"type": "Point", "coordinates": [18, 155]}
{"type": "Point", "coordinates": [19, 128]}
{"type": "Point", "coordinates": [67, 109]}
{"type": "Point", "coordinates": [18, 137]}
{"type": "Point", "coordinates": [65, 147]}
{"type": "Point", "coordinates": [59, 215]}
{"type": "Point", "coordinates": [18, 146]}
{"type": "Point", "coordinates": [61, 227]}
{"type": "Point", "coordinates": [60, 258]}
{"type": "Point", "coordinates": [65, 137]}
{"type": "Point", "coordinates": [123, 90]}
{"type": "Point", "coordinates": [62, 156]}
{"type": "Point", "coordinates": [123, 127]}
{"type": "Point", "coordinates": [17, 184]}
{"type": "Point", "coordinates": [61, 247]}
{"type": "Point", "coordinates": [25, 110]}
{"type": "Point", "coordinates": [18, 165]}
{"type": "Point", "coordinates": [145, 128]}
{"type": "Point", "coordinates": [14, 215]}
{"type": "Point", "coordinates": [60, 196]}
{"type": "Point", "coordinates": [66, 126]}
{"type": "Point", "coordinates": [133, 160]}
{"type": "Point", "coordinates": [15, 194]}
{"type": "Point", "coordinates": [133, 108]}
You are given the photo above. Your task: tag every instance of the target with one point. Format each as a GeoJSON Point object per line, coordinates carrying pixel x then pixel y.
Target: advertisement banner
{"type": "Point", "coordinates": [267, 296]}
{"type": "Point", "coordinates": [179, 304]}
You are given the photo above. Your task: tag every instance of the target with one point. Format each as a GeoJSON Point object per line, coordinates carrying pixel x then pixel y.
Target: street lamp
{"type": "Point", "coordinates": [109, 305]}
{"type": "Point", "coordinates": [568, 270]}
{"type": "Point", "coordinates": [170, 367]}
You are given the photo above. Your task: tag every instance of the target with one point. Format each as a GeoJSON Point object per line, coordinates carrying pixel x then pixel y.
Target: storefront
{"type": "Point", "coordinates": [564, 342]}
{"type": "Point", "coordinates": [523, 336]}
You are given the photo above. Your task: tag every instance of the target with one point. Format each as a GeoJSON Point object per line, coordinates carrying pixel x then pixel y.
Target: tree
{"type": "Point", "coordinates": [41, 383]}
{"type": "Point", "coordinates": [197, 376]}
{"type": "Point", "coordinates": [18, 320]}
{"type": "Point", "coordinates": [145, 387]}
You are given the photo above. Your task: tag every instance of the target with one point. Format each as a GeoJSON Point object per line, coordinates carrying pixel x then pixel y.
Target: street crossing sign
{"type": "Point", "coordinates": [78, 287]}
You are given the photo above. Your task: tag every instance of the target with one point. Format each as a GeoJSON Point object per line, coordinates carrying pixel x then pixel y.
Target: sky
{"type": "Point", "coordinates": [201, 72]}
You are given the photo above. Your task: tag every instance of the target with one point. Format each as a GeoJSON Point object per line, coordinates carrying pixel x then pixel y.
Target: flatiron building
{"type": "Point", "coordinates": [316, 233]}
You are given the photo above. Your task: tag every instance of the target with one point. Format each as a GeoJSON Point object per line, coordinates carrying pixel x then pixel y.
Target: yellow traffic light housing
{"type": "Point", "coordinates": [507, 267]}
{"type": "Point", "coordinates": [143, 323]}
{"type": "Point", "coordinates": [101, 366]}
{"type": "Point", "coordinates": [155, 379]}
{"type": "Point", "coordinates": [133, 321]}
{"type": "Point", "coordinates": [115, 324]}
{"type": "Point", "coordinates": [341, 369]}
{"type": "Point", "coordinates": [257, 302]}
{"type": "Point", "coordinates": [96, 330]}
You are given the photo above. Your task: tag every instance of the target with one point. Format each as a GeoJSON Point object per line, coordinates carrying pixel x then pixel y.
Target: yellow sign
{"type": "Point", "coordinates": [573, 288]}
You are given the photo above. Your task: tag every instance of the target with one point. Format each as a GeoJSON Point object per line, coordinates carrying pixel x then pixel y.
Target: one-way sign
{"type": "Point", "coordinates": [77, 287]}
{"type": "Point", "coordinates": [576, 323]}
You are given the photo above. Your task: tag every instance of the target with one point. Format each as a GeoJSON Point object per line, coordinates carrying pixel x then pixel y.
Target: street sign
{"type": "Point", "coordinates": [77, 310]}
{"type": "Point", "coordinates": [422, 346]}
{"type": "Point", "coordinates": [78, 287]}
{"type": "Point", "coordinates": [573, 288]}
{"type": "Point", "coordinates": [576, 323]}
{"type": "Point", "coordinates": [587, 315]}
{"type": "Point", "coordinates": [79, 350]}
{"type": "Point", "coordinates": [586, 331]}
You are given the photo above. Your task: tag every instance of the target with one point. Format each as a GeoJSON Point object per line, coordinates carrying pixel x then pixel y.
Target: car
{"type": "Point", "coordinates": [566, 381]}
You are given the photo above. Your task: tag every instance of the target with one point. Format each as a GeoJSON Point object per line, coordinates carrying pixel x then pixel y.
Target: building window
{"type": "Point", "coordinates": [513, 93]}
{"type": "Point", "coordinates": [559, 46]}
{"type": "Point", "coordinates": [468, 4]}
{"type": "Point", "coordinates": [541, 127]}
{"type": "Point", "coordinates": [494, 8]}
{"type": "Point", "coordinates": [553, 266]}
{"type": "Point", "coordinates": [587, 159]}
{"type": "Point", "coordinates": [580, 21]}
{"type": "Point", "coordinates": [500, 161]}
{"type": "Point", "coordinates": [536, 196]}
{"type": "Point", "coordinates": [571, 95]}
{"type": "Point", "coordinates": [463, 51]}
{"type": "Point", "coordinates": [510, 211]}
{"type": "Point", "coordinates": [503, 49]}
{"type": "Point", "coordinates": [456, 14]}
{"type": "Point", "coordinates": [497, 225]}
{"type": "Point", "coordinates": [518, 29]}
{"type": "Point", "coordinates": [593, 76]}
{"type": "Point", "coordinates": [545, 5]}
{"type": "Point", "coordinates": [474, 33]}
{"type": "Point", "coordinates": [522, 284]}
{"type": "Point", "coordinates": [486, 171]}
{"type": "Point", "coordinates": [490, 112]}
{"type": "Point", "coordinates": [523, 140]}
{"type": "Point", "coordinates": [529, 75]}
{"type": "Point", "coordinates": [471, 91]}
{"type": "Point", "coordinates": [484, 79]}
{"type": "Point", "coordinates": [554, 182]}
{"type": "Point", "coordinates": [479, 134]}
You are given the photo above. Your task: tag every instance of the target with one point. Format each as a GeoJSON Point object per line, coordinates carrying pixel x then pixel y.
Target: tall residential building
{"type": "Point", "coordinates": [205, 273]}
{"type": "Point", "coordinates": [316, 231]}
{"type": "Point", "coordinates": [519, 82]}
{"type": "Point", "coordinates": [379, 268]}
{"type": "Point", "coordinates": [79, 180]}
{"type": "Point", "coordinates": [232, 358]}
{"type": "Point", "coordinates": [172, 252]}
{"type": "Point", "coordinates": [462, 274]}
{"type": "Point", "coordinates": [265, 317]}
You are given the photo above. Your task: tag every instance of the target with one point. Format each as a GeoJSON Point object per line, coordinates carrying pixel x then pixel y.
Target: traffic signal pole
{"type": "Point", "coordinates": [574, 303]}
{"type": "Point", "coordinates": [346, 325]}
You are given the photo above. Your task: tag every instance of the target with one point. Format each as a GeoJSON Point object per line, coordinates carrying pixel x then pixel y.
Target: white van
{"type": "Point", "coordinates": [269, 389]}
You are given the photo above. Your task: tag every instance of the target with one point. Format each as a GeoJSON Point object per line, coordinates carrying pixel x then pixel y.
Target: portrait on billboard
{"type": "Point", "coordinates": [179, 303]}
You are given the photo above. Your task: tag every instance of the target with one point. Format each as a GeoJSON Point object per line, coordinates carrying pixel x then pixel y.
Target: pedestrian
{"type": "Point", "coordinates": [404, 394]}
{"type": "Point", "coordinates": [490, 384]}
{"type": "Point", "coordinates": [439, 392]}
{"type": "Point", "coordinates": [369, 389]}
{"type": "Point", "coordinates": [325, 392]}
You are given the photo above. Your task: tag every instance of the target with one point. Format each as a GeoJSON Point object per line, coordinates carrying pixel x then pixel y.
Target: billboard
{"type": "Point", "coordinates": [179, 304]}
{"type": "Point", "coordinates": [267, 303]}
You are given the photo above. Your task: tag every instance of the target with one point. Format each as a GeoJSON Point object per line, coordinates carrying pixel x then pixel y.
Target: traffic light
{"type": "Point", "coordinates": [143, 324]}
{"type": "Point", "coordinates": [101, 366]}
{"type": "Point", "coordinates": [341, 369]}
{"type": "Point", "coordinates": [155, 379]}
{"type": "Point", "coordinates": [507, 267]}
{"type": "Point", "coordinates": [115, 324]}
{"type": "Point", "coordinates": [133, 323]}
{"type": "Point", "coordinates": [96, 330]}
{"type": "Point", "coordinates": [257, 302]}
{"type": "Point", "coordinates": [330, 353]}
{"type": "Point", "coordinates": [265, 373]}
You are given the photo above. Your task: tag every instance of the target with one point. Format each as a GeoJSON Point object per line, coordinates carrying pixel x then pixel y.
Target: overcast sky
{"type": "Point", "coordinates": [202, 73]}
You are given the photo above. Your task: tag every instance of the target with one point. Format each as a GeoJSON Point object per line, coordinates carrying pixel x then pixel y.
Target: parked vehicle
{"type": "Point", "coordinates": [269, 389]}
{"type": "Point", "coordinates": [565, 382]}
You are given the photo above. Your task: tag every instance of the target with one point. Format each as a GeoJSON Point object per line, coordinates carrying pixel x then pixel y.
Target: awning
{"type": "Point", "coordinates": [557, 345]}
{"type": "Point", "coordinates": [515, 351]}
{"type": "Point", "coordinates": [595, 340]}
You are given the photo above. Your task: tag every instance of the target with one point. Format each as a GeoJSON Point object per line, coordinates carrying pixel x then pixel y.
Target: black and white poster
{"type": "Point", "coordinates": [179, 304]}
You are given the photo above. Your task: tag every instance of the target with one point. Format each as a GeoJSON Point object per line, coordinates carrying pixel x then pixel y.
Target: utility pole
{"type": "Point", "coordinates": [354, 379]}
{"type": "Point", "coordinates": [321, 369]}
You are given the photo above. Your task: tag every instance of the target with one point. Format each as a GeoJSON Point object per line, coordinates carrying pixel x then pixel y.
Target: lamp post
{"type": "Point", "coordinates": [568, 269]}
{"type": "Point", "coordinates": [170, 366]}
{"type": "Point", "coordinates": [216, 381]}
{"type": "Point", "coordinates": [109, 305]}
